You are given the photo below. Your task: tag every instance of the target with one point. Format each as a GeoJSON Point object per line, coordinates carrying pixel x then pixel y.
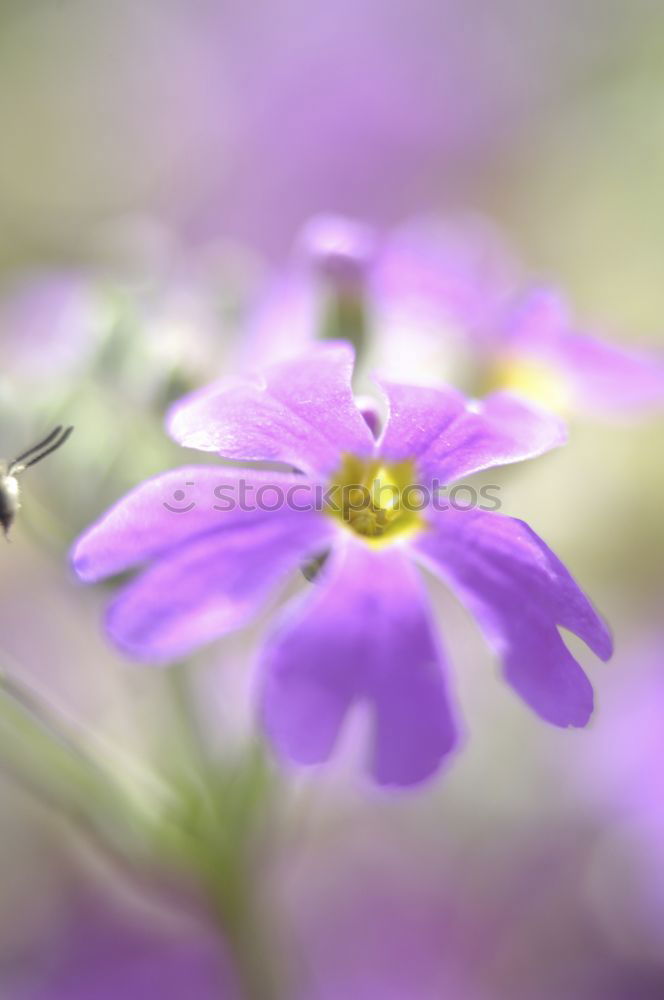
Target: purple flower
{"type": "Point", "coordinates": [101, 951]}
{"type": "Point", "coordinates": [541, 343]}
{"type": "Point", "coordinates": [51, 321]}
{"type": "Point", "coordinates": [460, 295]}
{"type": "Point", "coordinates": [363, 631]}
{"type": "Point", "coordinates": [621, 768]}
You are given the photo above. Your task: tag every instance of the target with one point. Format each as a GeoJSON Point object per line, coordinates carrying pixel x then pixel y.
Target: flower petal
{"type": "Point", "coordinates": [283, 322]}
{"type": "Point", "coordinates": [460, 271]}
{"type": "Point", "coordinates": [333, 256]}
{"type": "Point", "coordinates": [179, 506]}
{"type": "Point", "coordinates": [362, 633]}
{"type": "Point", "coordinates": [212, 584]}
{"type": "Point", "coordinates": [602, 376]}
{"type": "Point", "coordinates": [607, 378]}
{"type": "Point", "coordinates": [450, 438]}
{"type": "Point", "coordinates": [520, 592]}
{"type": "Point", "coordinates": [302, 412]}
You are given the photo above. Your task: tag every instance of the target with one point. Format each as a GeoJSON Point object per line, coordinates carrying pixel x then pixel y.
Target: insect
{"type": "Point", "coordinates": [9, 487]}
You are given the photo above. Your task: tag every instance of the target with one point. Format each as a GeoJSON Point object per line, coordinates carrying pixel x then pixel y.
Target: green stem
{"type": "Point", "coordinates": [232, 807]}
{"type": "Point", "coordinates": [39, 756]}
{"type": "Point", "coordinates": [214, 820]}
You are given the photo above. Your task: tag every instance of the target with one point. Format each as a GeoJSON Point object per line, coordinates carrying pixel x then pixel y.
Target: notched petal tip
{"type": "Point", "coordinates": [522, 596]}
{"type": "Point", "coordinates": [300, 412]}
{"type": "Point", "coordinates": [182, 421]}
{"type": "Point", "coordinates": [81, 559]}
{"type": "Point", "coordinates": [600, 637]}
{"type": "Point", "coordinates": [322, 660]}
{"type": "Point", "coordinates": [539, 429]}
{"type": "Point", "coordinates": [451, 437]}
{"type": "Point", "coordinates": [401, 773]}
{"type": "Point", "coordinates": [136, 648]}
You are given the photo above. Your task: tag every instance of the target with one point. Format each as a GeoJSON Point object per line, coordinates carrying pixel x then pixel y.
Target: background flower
{"type": "Point", "coordinates": [447, 296]}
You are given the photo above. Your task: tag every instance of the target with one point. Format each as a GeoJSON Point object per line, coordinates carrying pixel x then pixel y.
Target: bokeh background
{"type": "Point", "coordinates": [157, 160]}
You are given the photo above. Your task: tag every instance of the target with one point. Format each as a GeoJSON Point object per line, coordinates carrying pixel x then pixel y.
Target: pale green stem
{"type": "Point", "coordinates": [225, 848]}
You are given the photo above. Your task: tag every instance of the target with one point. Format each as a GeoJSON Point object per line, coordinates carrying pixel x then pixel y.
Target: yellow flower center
{"type": "Point", "coordinates": [533, 379]}
{"type": "Point", "coordinates": [379, 501]}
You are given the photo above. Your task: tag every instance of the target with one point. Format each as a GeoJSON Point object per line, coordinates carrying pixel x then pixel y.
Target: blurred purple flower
{"type": "Point", "coordinates": [103, 954]}
{"type": "Point", "coordinates": [622, 765]}
{"type": "Point", "coordinates": [364, 631]}
{"type": "Point", "coordinates": [435, 293]}
{"type": "Point", "coordinates": [539, 338]}
{"type": "Point", "coordinates": [618, 777]}
{"type": "Point", "coordinates": [383, 111]}
{"type": "Point", "coordinates": [374, 935]}
{"type": "Point", "coordinates": [50, 323]}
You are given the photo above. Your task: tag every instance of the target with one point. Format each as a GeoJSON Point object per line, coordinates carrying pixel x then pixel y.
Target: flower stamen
{"type": "Point", "coordinates": [376, 500]}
